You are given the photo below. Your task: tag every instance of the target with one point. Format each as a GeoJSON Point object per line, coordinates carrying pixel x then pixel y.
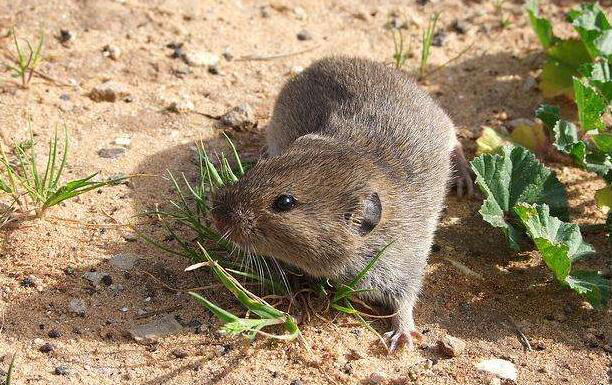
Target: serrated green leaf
{"type": "Point", "coordinates": [591, 285]}
{"type": "Point", "coordinates": [541, 225]}
{"type": "Point", "coordinates": [515, 176]}
{"type": "Point", "coordinates": [591, 105]}
{"type": "Point", "coordinates": [565, 136]}
{"type": "Point", "coordinates": [549, 115]}
{"type": "Point", "coordinates": [599, 76]}
{"type": "Point", "coordinates": [541, 26]}
{"type": "Point", "coordinates": [560, 244]}
{"type": "Point", "coordinates": [565, 58]}
{"type": "Point", "coordinates": [590, 21]}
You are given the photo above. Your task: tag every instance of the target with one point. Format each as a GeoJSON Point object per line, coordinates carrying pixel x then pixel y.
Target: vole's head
{"type": "Point", "coordinates": [313, 206]}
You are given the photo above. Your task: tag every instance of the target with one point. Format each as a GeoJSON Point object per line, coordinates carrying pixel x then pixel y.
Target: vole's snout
{"type": "Point", "coordinates": [230, 220]}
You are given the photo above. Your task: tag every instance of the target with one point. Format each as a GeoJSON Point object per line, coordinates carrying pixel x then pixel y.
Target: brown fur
{"type": "Point", "coordinates": [344, 133]}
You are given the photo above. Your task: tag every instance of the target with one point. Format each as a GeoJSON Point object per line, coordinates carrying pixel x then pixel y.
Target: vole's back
{"type": "Point", "coordinates": [369, 104]}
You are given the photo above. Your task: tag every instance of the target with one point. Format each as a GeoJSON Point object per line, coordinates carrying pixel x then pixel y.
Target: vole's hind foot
{"type": "Point", "coordinates": [462, 174]}
{"type": "Point", "coordinates": [399, 338]}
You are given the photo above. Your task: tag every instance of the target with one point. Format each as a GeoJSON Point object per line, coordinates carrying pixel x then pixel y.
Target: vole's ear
{"type": "Point", "coordinates": [366, 220]}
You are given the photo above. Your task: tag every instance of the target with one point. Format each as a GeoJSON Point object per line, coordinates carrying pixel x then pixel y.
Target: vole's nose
{"type": "Point", "coordinates": [222, 217]}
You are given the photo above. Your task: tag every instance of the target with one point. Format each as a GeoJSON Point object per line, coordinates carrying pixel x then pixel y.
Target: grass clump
{"type": "Point", "coordinates": [25, 63]}
{"type": "Point", "coordinates": [31, 189]}
{"type": "Point", "coordinates": [427, 41]}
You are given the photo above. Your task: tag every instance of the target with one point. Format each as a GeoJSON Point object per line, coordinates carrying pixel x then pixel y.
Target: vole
{"type": "Point", "coordinates": [359, 157]}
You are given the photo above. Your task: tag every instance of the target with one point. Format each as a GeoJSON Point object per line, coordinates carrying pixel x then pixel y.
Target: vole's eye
{"type": "Point", "coordinates": [284, 202]}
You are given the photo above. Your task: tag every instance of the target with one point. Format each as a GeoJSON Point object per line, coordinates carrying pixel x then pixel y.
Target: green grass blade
{"type": "Point", "coordinates": [236, 157]}
{"type": "Point", "coordinates": [9, 373]}
{"type": "Point", "coordinates": [33, 165]}
{"type": "Point", "coordinates": [53, 186]}
{"type": "Point", "coordinates": [50, 161]}
{"type": "Point", "coordinates": [220, 313]}
{"type": "Point", "coordinates": [75, 188]}
{"type": "Point", "coordinates": [230, 176]}
{"type": "Point", "coordinates": [368, 267]}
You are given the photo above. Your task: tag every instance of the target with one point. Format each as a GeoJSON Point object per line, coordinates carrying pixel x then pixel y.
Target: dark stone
{"type": "Point", "coordinates": [438, 39]}
{"type": "Point", "coordinates": [47, 348]}
{"type": "Point", "coordinates": [180, 353]}
{"type": "Point", "coordinates": [53, 333]}
{"type": "Point", "coordinates": [61, 371]}
{"type": "Point", "coordinates": [304, 35]}
{"type": "Point", "coordinates": [111, 153]}
{"type": "Point", "coordinates": [107, 280]}
{"type": "Point", "coordinates": [459, 26]}
{"type": "Point", "coordinates": [65, 36]}
{"type": "Point", "coordinates": [28, 282]}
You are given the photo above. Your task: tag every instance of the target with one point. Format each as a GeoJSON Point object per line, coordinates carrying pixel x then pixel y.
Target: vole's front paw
{"type": "Point", "coordinates": [462, 174]}
{"type": "Point", "coordinates": [399, 338]}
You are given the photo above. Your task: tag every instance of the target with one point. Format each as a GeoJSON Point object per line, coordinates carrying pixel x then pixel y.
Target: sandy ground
{"type": "Point", "coordinates": [489, 85]}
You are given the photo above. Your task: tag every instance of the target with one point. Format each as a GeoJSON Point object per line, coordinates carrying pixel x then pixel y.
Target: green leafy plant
{"type": "Point", "coordinates": [426, 43]}
{"type": "Point", "coordinates": [25, 63]}
{"type": "Point", "coordinates": [268, 315]}
{"type": "Point", "coordinates": [567, 56]}
{"type": "Point", "coordinates": [514, 176]}
{"type": "Point", "coordinates": [522, 196]}
{"type": "Point", "coordinates": [33, 190]}
{"type": "Point", "coordinates": [561, 244]}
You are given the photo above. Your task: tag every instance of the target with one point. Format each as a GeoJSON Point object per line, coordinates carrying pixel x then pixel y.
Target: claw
{"type": "Point", "coordinates": [398, 339]}
{"type": "Point", "coordinates": [462, 176]}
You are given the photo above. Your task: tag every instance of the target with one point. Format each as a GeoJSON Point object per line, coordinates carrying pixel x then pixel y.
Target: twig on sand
{"type": "Point", "coordinates": [274, 57]}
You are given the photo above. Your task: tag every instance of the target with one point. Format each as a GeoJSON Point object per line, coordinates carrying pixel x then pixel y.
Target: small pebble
{"type": "Point", "coordinates": [77, 306]}
{"type": "Point", "coordinates": [47, 348]}
{"type": "Point", "coordinates": [124, 309]}
{"type": "Point", "coordinates": [221, 350]}
{"type": "Point", "coordinates": [500, 368]}
{"type": "Point", "coordinates": [64, 97]}
{"type": "Point", "coordinates": [109, 91]}
{"type": "Point", "coordinates": [239, 117]}
{"type": "Point", "coordinates": [460, 26]}
{"type": "Point", "coordinates": [450, 346]}
{"type": "Point", "coordinates": [200, 58]}
{"type": "Point", "coordinates": [111, 51]}
{"type": "Point", "coordinates": [53, 333]}
{"type": "Point", "coordinates": [299, 13]}
{"type": "Point", "coordinates": [264, 11]}
{"type": "Point", "coordinates": [297, 382]}
{"type": "Point", "coordinates": [123, 262]}
{"type": "Point", "coordinates": [179, 353]}
{"type": "Point", "coordinates": [214, 70]}
{"type": "Point", "coordinates": [111, 153]}
{"type": "Point", "coordinates": [65, 36]}
{"type": "Point", "coordinates": [376, 378]}
{"type": "Point", "coordinates": [438, 39]}
{"type": "Point", "coordinates": [181, 106]}
{"type": "Point", "coordinates": [304, 35]}
{"type": "Point", "coordinates": [107, 280]}
{"type": "Point", "coordinates": [30, 281]}
{"type": "Point", "coordinates": [61, 371]}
